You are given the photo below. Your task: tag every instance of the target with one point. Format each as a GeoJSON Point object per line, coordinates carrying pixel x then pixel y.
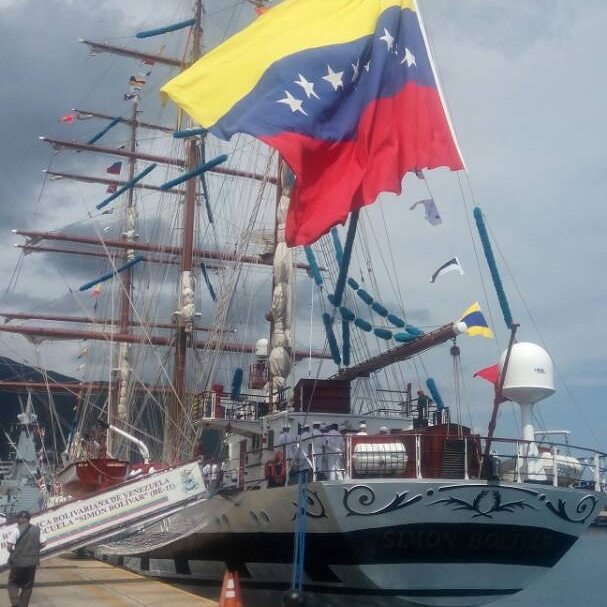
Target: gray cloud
{"type": "Point", "coordinates": [523, 88]}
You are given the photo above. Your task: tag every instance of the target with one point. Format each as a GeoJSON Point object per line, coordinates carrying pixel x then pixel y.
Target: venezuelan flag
{"type": "Point", "coordinates": [475, 321]}
{"type": "Point", "coordinates": [345, 90]}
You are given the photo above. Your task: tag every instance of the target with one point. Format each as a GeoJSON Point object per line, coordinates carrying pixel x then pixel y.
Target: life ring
{"type": "Point", "coordinates": [275, 469]}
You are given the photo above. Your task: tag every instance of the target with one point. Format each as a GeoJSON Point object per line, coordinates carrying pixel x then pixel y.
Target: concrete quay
{"type": "Point", "coordinates": [71, 582]}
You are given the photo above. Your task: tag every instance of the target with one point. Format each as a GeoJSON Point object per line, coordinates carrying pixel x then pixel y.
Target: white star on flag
{"type": "Point", "coordinates": [308, 87]}
{"type": "Point", "coordinates": [334, 78]}
{"type": "Point", "coordinates": [409, 58]}
{"type": "Point", "coordinates": [356, 68]}
{"type": "Point", "coordinates": [388, 38]}
{"type": "Point", "coordinates": [367, 65]}
{"type": "Point", "coordinates": [294, 104]}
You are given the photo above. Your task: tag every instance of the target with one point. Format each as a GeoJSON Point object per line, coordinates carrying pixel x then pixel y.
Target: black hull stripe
{"type": "Point", "coordinates": [415, 543]}
{"type": "Point", "coordinates": [346, 590]}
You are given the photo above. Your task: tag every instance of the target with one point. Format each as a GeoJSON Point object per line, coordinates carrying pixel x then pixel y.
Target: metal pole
{"type": "Point", "coordinates": [418, 451]}
{"type": "Point", "coordinates": [496, 402]}
{"type": "Point", "coordinates": [555, 473]}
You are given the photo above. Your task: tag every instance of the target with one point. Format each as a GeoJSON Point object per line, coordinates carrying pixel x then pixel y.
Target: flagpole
{"type": "Point", "coordinates": [422, 27]}
{"type": "Point", "coordinates": [496, 402]}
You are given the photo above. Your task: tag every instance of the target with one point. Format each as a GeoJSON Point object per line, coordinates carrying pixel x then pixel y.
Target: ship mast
{"type": "Point", "coordinates": [118, 406]}
{"type": "Point", "coordinates": [119, 330]}
{"type": "Point", "coordinates": [281, 312]}
{"type": "Point", "coordinates": [186, 314]}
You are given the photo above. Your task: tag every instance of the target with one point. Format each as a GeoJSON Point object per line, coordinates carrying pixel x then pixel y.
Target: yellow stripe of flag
{"type": "Point", "coordinates": [216, 82]}
{"type": "Point", "coordinates": [476, 321]}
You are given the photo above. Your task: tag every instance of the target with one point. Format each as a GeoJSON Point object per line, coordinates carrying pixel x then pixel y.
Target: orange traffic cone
{"type": "Point", "coordinates": [230, 590]}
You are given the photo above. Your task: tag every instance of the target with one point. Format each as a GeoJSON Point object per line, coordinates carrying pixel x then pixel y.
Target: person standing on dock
{"type": "Point", "coordinates": [24, 545]}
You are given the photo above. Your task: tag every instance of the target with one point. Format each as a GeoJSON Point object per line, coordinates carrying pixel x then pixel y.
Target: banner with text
{"type": "Point", "coordinates": [73, 523]}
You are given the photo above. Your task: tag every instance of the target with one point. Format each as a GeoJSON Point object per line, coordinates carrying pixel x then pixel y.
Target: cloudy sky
{"type": "Point", "coordinates": [524, 86]}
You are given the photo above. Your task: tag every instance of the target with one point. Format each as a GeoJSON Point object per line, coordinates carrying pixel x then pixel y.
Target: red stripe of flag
{"type": "Point", "coordinates": [335, 178]}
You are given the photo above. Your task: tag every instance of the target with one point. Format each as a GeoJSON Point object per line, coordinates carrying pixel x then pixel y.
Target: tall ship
{"type": "Point", "coordinates": [333, 466]}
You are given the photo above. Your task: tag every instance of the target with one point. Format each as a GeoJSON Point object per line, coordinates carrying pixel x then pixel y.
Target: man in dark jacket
{"type": "Point", "coordinates": [24, 545]}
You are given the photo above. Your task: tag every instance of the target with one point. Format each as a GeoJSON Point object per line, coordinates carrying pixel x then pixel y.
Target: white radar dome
{"type": "Point", "coordinates": [261, 348]}
{"type": "Point", "coordinates": [530, 374]}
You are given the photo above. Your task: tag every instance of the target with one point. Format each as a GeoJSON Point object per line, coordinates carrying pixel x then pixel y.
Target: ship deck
{"type": "Point", "coordinates": [71, 582]}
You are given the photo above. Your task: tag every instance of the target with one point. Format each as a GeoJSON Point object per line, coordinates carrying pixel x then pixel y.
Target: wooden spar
{"type": "Point", "coordinates": [90, 320]}
{"type": "Point", "coordinates": [145, 125]}
{"type": "Point", "coordinates": [74, 388]}
{"type": "Point", "coordinates": [106, 181]}
{"type": "Point", "coordinates": [400, 353]}
{"type": "Point", "coordinates": [37, 249]}
{"type": "Point", "coordinates": [153, 248]}
{"type": "Point", "coordinates": [155, 340]}
{"type": "Point", "coordinates": [87, 147]}
{"type": "Point", "coordinates": [102, 47]}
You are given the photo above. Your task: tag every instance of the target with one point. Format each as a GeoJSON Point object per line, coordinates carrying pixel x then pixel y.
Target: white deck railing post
{"type": "Point", "coordinates": [418, 456]}
{"type": "Point", "coordinates": [555, 472]}
{"type": "Point", "coordinates": [517, 463]}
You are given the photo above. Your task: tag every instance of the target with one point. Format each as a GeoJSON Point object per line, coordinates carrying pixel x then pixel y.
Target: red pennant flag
{"type": "Point", "coordinates": [114, 169]}
{"type": "Point", "coordinates": [492, 375]}
{"type": "Point", "coordinates": [67, 118]}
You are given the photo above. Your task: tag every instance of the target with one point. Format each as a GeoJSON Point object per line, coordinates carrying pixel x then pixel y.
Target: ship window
{"type": "Point", "coordinates": [256, 443]}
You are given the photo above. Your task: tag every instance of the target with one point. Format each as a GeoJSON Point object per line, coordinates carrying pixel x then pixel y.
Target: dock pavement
{"type": "Point", "coordinates": [71, 582]}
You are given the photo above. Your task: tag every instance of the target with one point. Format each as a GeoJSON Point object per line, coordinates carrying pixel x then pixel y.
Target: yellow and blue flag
{"type": "Point", "coordinates": [476, 322]}
{"type": "Point", "coordinates": [345, 90]}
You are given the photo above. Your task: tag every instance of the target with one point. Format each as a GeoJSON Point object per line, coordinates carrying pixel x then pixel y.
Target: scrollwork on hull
{"type": "Point", "coordinates": [489, 500]}
{"type": "Point", "coordinates": [365, 496]}
{"type": "Point", "coordinates": [584, 508]}
{"type": "Point", "coordinates": [312, 507]}
{"type": "Point", "coordinates": [485, 507]}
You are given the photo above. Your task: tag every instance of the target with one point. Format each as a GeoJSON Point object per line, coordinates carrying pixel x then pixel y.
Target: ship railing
{"type": "Point", "coordinates": [247, 407]}
{"type": "Point", "coordinates": [423, 456]}
{"type": "Point", "coordinates": [548, 463]}
{"type": "Point", "coordinates": [417, 455]}
{"type": "Point", "coordinates": [432, 416]}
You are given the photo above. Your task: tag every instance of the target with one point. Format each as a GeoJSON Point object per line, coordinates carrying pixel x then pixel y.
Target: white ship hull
{"type": "Point", "coordinates": [426, 542]}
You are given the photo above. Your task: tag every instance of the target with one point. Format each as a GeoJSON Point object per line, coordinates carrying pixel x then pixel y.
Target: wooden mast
{"type": "Point", "coordinates": [185, 315]}
{"type": "Point", "coordinates": [118, 399]}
